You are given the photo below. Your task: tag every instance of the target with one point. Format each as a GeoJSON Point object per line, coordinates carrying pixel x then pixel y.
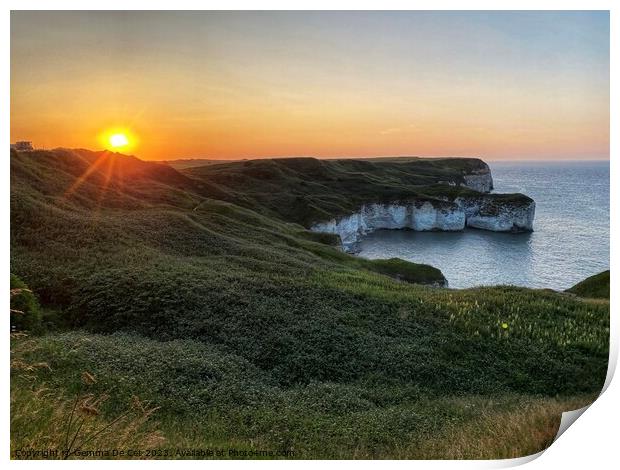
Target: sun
{"type": "Point", "coordinates": [118, 140]}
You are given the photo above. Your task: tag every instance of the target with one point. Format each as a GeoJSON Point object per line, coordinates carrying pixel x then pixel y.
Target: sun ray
{"type": "Point", "coordinates": [84, 176]}
{"type": "Point", "coordinates": [107, 178]}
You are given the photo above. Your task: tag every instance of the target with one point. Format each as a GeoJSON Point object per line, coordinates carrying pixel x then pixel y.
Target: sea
{"type": "Point", "coordinates": [570, 240]}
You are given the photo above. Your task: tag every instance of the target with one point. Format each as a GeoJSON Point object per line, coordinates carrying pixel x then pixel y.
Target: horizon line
{"type": "Point", "coordinates": [344, 157]}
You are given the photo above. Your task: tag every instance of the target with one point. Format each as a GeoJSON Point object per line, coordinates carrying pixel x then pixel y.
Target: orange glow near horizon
{"type": "Point", "coordinates": [252, 85]}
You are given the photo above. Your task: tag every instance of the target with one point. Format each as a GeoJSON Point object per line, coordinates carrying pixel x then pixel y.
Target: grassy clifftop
{"type": "Point", "coordinates": [306, 190]}
{"type": "Point", "coordinates": [157, 284]}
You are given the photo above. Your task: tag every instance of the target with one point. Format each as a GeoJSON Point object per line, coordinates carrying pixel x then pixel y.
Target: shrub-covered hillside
{"type": "Point", "coordinates": [247, 330]}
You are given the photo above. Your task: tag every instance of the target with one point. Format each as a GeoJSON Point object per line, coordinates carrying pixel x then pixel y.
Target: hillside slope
{"type": "Point", "coordinates": [169, 292]}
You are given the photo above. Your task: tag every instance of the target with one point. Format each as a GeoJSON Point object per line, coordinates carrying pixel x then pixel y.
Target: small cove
{"type": "Point", "coordinates": [570, 239]}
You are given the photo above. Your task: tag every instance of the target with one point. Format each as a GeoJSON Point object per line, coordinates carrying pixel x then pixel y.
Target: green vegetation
{"type": "Point", "coordinates": [211, 399]}
{"type": "Point", "coordinates": [594, 287]}
{"type": "Point", "coordinates": [247, 331]}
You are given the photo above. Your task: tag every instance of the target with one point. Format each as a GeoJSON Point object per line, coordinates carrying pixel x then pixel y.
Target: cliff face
{"type": "Point", "coordinates": [479, 180]}
{"type": "Point", "coordinates": [498, 214]}
{"type": "Point", "coordinates": [495, 212]}
{"type": "Point", "coordinates": [486, 212]}
{"type": "Point", "coordinates": [308, 190]}
{"type": "Point", "coordinates": [351, 197]}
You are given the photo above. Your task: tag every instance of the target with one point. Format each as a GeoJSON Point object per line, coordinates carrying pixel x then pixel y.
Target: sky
{"type": "Point", "coordinates": [496, 85]}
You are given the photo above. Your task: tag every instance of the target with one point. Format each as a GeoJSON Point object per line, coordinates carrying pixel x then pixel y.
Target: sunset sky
{"type": "Point", "coordinates": [498, 85]}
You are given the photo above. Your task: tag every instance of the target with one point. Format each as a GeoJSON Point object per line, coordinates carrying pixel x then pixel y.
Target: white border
{"type": "Point", "coordinates": [592, 442]}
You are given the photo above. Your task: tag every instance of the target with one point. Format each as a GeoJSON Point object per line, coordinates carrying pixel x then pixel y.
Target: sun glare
{"type": "Point", "coordinates": [118, 140]}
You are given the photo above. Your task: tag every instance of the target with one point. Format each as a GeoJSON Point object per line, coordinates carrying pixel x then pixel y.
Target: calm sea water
{"type": "Point", "coordinates": [570, 240]}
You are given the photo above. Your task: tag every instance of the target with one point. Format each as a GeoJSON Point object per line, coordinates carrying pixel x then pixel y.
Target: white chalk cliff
{"type": "Point", "coordinates": [479, 180]}
{"type": "Point", "coordinates": [493, 212]}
